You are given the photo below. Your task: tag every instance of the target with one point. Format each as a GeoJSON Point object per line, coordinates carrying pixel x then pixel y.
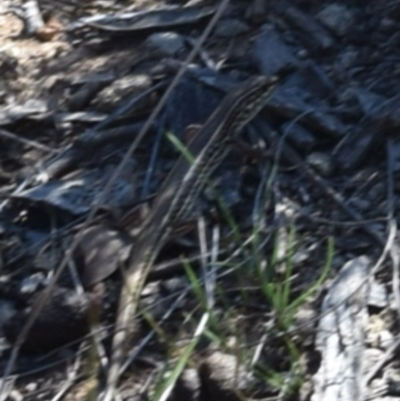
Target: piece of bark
{"type": "Point", "coordinates": [341, 334]}
{"type": "Point", "coordinates": [162, 18]}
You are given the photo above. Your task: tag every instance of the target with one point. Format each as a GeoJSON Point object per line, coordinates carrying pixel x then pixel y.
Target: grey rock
{"type": "Point", "coordinates": [223, 377]}
{"type": "Point", "coordinates": [303, 53]}
{"type": "Point", "coordinates": [348, 58]}
{"type": "Point", "coordinates": [270, 53]}
{"type": "Point", "coordinates": [115, 94]}
{"type": "Point", "coordinates": [301, 322]}
{"type": "Point", "coordinates": [231, 27]}
{"type": "Point", "coordinates": [31, 387]}
{"type": "Point", "coordinates": [187, 387]}
{"type": "Point", "coordinates": [337, 18]}
{"type": "Point", "coordinates": [30, 285]}
{"type": "Point", "coordinates": [175, 284]}
{"type": "Point", "coordinates": [321, 162]}
{"type": "Point", "coordinates": [165, 43]}
{"type": "Point", "coordinates": [102, 251]}
{"type": "Point", "coordinates": [387, 24]}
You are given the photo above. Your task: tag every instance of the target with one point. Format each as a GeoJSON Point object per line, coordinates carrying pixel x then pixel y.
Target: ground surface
{"type": "Point", "coordinates": [334, 183]}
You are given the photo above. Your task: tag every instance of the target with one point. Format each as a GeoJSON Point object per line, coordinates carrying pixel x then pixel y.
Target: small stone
{"type": "Point", "coordinates": [166, 43]}
{"type": "Point", "coordinates": [187, 386]}
{"type": "Point", "coordinates": [229, 28]}
{"type": "Point", "coordinates": [302, 53]}
{"type": "Point", "coordinates": [223, 377]}
{"type": "Point", "coordinates": [337, 18]}
{"type": "Point", "coordinates": [348, 58]}
{"type": "Point", "coordinates": [31, 387]}
{"type": "Point", "coordinates": [387, 24]}
{"type": "Point", "coordinates": [30, 285]}
{"type": "Point", "coordinates": [15, 395]}
{"type": "Point", "coordinates": [174, 284]}
{"type": "Point", "coordinates": [301, 322]}
{"type": "Point", "coordinates": [321, 162]}
{"type": "Point", "coordinates": [114, 95]}
{"type": "Point", "coordinates": [270, 53]}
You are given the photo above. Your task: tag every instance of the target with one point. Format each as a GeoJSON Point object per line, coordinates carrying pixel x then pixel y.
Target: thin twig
{"type": "Point", "coordinates": [28, 142]}
{"type": "Point", "coordinates": [150, 168]}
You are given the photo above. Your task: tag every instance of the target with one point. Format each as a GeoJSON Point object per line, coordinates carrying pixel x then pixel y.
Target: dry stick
{"type": "Point", "coordinates": [351, 223]}
{"type": "Point", "coordinates": [102, 196]}
{"type": "Point", "coordinates": [34, 144]}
